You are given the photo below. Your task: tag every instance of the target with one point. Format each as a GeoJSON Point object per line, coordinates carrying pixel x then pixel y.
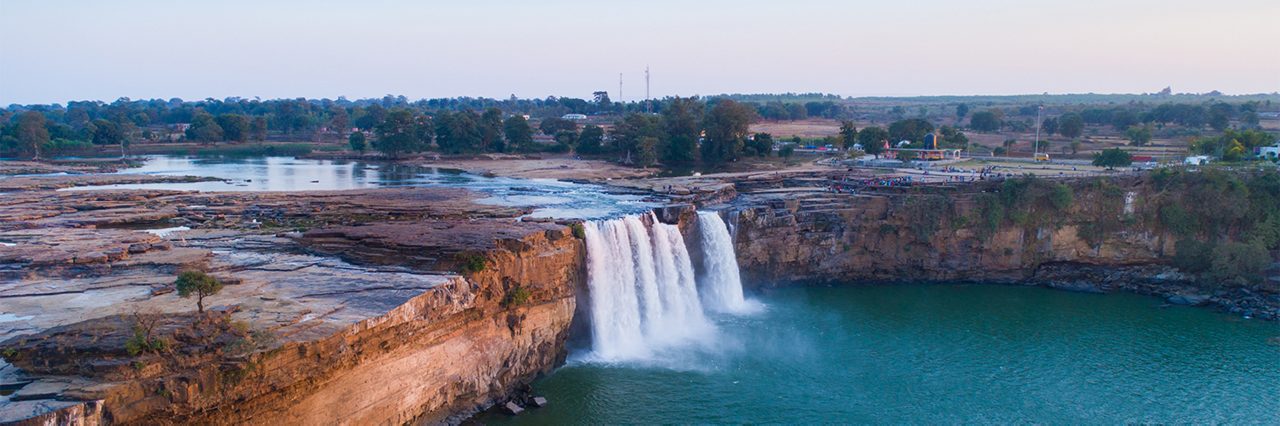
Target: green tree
{"type": "Point", "coordinates": [775, 110]}
{"type": "Point", "coordinates": [591, 139]}
{"type": "Point", "coordinates": [1112, 158]}
{"type": "Point", "coordinates": [952, 137]}
{"type": "Point", "coordinates": [1250, 120]}
{"type": "Point", "coordinates": [1192, 256]}
{"type": "Point", "coordinates": [458, 132]}
{"type": "Point", "coordinates": [235, 127]}
{"type": "Point", "coordinates": [1239, 264]}
{"type": "Point", "coordinates": [357, 141]}
{"type": "Point", "coordinates": [566, 140]}
{"type": "Point", "coordinates": [726, 125]}
{"type": "Point", "coordinates": [872, 140]}
{"type": "Point", "coordinates": [106, 132]}
{"type": "Point", "coordinates": [681, 121]}
{"type": "Point", "coordinates": [1070, 125]}
{"type": "Point", "coordinates": [602, 100]}
{"type": "Point", "coordinates": [1220, 115]}
{"type": "Point", "coordinates": [1049, 126]}
{"type": "Point", "coordinates": [848, 134]}
{"type": "Point", "coordinates": [647, 151]}
{"type": "Point", "coordinates": [491, 130]}
{"type": "Point", "coordinates": [1139, 135]}
{"type": "Point", "coordinates": [198, 284]}
{"type": "Point", "coordinates": [370, 117]}
{"type": "Point", "coordinates": [961, 111]}
{"type": "Point", "coordinates": [761, 145]}
{"type": "Point", "coordinates": [628, 132]}
{"type": "Point", "coordinates": [32, 134]}
{"type": "Point", "coordinates": [401, 132]}
{"type": "Point", "coordinates": [204, 128]}
{"type": "Point", "coordinates": [555, 125]}
{"type": "Point", "coordinates": [518, 132]}
{"type": "Point", "coordinates": [258, 128]}
{"type": "Point", "coordinates": [911, 129]}
{"type": "Point", "coordinates": [1123, 119]}
{"type": "Point", "coordinates": [339, 121]}
{"type": "Point", "coordinates": [984, 121]}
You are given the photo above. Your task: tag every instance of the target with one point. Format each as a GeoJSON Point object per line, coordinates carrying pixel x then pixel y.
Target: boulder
{"type": "Point", "coordinates": [539, 402]}
{"type": "Point", "coordinates": [672, 214]}
{"type": "Point", "coordinates": [1188, 299]}
{"type": "Point", "coordinates": [512, 408]}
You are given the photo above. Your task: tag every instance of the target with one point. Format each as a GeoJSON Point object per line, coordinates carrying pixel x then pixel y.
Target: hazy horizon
{"type": "Point", "coordinates": [56, 51]}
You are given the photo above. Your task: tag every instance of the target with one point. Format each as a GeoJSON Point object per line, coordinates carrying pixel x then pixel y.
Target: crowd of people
{"type": "Point", "coordinates": [851, 185]}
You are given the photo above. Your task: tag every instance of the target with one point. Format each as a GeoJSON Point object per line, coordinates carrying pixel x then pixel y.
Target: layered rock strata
{"type": "Point", "coordinates": [356, 307]}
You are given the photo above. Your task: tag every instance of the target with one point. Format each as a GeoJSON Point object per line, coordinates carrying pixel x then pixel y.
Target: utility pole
{"type": "Point", "coordinates": [648, 106]}
{"type": "Point", "coordinates": [619, 87]}
{"type": "Point", "coordinates": [1036, 149]}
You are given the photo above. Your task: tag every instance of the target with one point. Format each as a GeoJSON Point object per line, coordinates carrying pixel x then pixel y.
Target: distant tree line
{"type": "Point", "coordinates": [1215, 115]}
{"type": "Point", "coordinates": [670, 130]}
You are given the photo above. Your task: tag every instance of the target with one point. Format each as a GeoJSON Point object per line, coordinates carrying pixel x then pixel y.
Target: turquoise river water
{"type": "Point", "coordinates": [938, 354]}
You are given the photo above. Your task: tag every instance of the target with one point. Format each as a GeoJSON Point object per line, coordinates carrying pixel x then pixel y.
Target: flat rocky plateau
{"type": "Point", "coordinates": [80, 271]}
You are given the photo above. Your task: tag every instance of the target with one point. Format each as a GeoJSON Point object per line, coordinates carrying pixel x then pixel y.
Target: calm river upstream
{"type": "Point", "coordinates": [552, 198]}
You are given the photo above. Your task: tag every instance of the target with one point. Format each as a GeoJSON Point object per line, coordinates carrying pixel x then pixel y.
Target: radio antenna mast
{"type": "Point", "coordinates": [619, 87]}
{"type": "Point", "coordinates": [648, 107]}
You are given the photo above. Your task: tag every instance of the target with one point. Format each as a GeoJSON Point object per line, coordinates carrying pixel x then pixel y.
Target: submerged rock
{"type": "Point", "coordinates": [1078, 286]}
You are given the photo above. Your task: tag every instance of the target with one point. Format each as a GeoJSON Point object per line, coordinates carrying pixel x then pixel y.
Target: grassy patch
{"type": "Point", "coordinates": [471, 262]}
{"type": "Point", "coordinates": [142, 342]}
{"type": "Point", "coordinates": [516, 296]}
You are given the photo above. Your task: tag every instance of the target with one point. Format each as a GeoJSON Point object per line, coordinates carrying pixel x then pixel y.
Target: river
{"type": "Point", "coordinates": [549, 197]}
{"type": "Point", "coordinates": [929, 354]}
{"type": "Point", "coordinates": [847, 354]}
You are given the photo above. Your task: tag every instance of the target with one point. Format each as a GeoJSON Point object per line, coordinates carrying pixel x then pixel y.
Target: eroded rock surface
{"type": "Point", "coordinates": [346, 306]}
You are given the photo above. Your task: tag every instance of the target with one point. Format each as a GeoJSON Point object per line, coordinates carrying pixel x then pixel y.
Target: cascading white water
{"type": "Point", "coordinates": [722, 285]}
{"type": "Point", "coordinates": [643, 293]}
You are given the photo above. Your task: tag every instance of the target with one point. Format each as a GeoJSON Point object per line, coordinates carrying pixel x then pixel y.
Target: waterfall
{"type": "Point", "coordinates": [721, 283]}
{"type": "Point", "coordinates": [643, 292]}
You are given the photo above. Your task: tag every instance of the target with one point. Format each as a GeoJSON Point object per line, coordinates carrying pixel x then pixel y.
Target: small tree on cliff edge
{"type": "Point", "coordinates": [199, 284]}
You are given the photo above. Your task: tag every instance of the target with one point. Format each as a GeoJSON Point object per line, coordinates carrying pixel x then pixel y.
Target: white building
{"type": "Point", "coordinates": [1197, 160]}
{"type": "Point", "coordinates": [1270, 152]}
{"type": "Point", "coordinates": [574, 117]}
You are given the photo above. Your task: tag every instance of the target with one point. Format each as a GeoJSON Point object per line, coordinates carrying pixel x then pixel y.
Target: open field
{"type": "Point", "coordinates": [810, 128]}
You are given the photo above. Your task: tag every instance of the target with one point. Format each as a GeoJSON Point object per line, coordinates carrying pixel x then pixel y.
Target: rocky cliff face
{"type": "Point", "coordinates": [1097, 240]}
{"type": "Point", "coordinates": [388, 310]}
{"type": "Point", "coordinates": [454, 349]}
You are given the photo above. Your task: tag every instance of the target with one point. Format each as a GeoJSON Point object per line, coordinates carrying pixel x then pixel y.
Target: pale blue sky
{"type": "Point", "coordinates": [54, 51]}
